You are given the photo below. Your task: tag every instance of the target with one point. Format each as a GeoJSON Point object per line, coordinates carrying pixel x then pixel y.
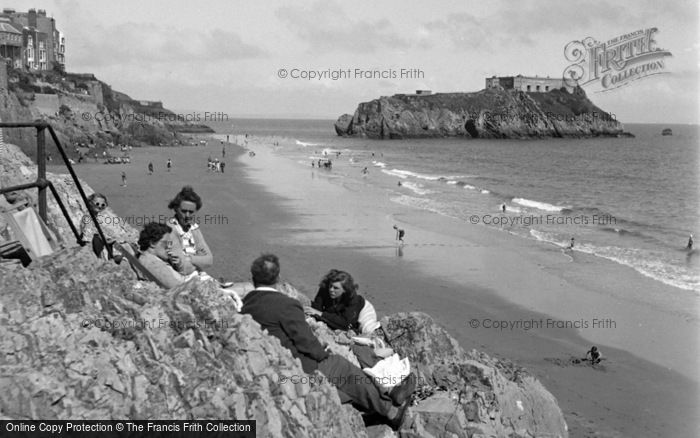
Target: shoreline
{"type": "Point", "coordinates": [261, 220]}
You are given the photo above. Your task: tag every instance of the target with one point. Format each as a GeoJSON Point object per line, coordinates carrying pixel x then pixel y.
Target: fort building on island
{"type": "Point", "coordinates": [30, 40]}
{"type": "Point", "coordinates": [529, 84]}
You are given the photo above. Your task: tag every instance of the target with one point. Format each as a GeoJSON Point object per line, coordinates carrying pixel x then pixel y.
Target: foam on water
{"type": "Point", "coordinates": [648, 263]}
{"type": "Point", "coordinates": [305, 144]}
{"type": "Point", "coordinates": [539, 205]}
{"type": "Point", "coordinates": [417, 188]}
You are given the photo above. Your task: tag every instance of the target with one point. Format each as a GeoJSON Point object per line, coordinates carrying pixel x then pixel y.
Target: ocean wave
{"type": "Point", "coordinates": [379, 164]}
{"type": "Point", "coordinates": [424, 176]}
{"type": "Point", "coordinates": [421, 203]}
{"type": "Point", "coordinates": [416, 188]}
{"type": "Point", "coordinates": [539, 205]}
{"type": "Point", "coordinates": [648, 263]}
{"type": "Point", "coordinates": [303, 144]}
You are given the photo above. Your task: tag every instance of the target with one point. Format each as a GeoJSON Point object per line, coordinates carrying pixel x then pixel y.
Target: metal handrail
{"type": "Point", "coordinates": [42, 183]}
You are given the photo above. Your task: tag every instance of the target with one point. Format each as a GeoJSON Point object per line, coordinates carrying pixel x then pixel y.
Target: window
{"type": "Point", "coordinates": [538, 88]}
{"type": "Point", "coordinates": [546, 88]}
{"type": "Point", "coordinates": [528, 88]}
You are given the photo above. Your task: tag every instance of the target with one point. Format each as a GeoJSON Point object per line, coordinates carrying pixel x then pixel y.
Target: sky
{"type": "Point", "coordinates": [227, 56]}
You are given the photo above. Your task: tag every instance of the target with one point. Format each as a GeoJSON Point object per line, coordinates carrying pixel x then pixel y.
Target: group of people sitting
{"type": "Point", "coordinates": [175, 251]}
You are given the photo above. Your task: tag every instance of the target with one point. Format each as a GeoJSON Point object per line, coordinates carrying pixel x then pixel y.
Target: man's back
{"type": "Point", "coordinates": [283, 317]}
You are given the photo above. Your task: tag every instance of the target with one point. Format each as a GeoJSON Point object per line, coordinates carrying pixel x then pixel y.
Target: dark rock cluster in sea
{"type": "Point", "coordinates": [490, 113]}
{"type": "Point", "coordinates": [82, 338]}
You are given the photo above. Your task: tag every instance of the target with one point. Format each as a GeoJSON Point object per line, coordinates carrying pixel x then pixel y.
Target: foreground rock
{"type": "Point", "coordinates": [478, 395]}
{"type": "Point", "coordinates": [82, 339]}
{"type": "Point", "coordinates": [488, 113]}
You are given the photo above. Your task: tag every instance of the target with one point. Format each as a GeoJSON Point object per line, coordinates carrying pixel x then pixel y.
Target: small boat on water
{"type": "Point", "coordinates": [667, 131]}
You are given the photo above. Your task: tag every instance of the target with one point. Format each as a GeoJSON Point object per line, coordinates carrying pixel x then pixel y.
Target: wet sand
{"type": "Point", "coordinates": [470, 279]}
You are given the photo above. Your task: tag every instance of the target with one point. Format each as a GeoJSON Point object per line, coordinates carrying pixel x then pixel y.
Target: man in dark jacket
{"type": "Point", "coordinates": [283, 317]}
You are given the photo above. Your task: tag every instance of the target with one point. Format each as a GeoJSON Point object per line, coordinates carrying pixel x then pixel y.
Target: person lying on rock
{"type": "Point", "coordinates": [186, 231]}
{"type": "Point", "coordinates": [283, 317]}
{"type": "Point", "coordinates": [337, 302]}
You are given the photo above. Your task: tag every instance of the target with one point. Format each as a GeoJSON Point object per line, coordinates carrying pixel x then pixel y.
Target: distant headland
{"type": "Point", "coordinates": [509, 107]}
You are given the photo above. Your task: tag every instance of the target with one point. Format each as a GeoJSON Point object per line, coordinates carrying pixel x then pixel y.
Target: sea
{"type": "Point", "coordinates": [634, 201]}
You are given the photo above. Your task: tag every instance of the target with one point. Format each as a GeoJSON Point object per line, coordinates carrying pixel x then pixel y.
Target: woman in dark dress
{"type": "Point", "coordinates": [337, 303]}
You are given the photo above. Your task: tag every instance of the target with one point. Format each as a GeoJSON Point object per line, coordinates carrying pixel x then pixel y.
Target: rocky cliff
{"type": "Point", "coordinates": [490, 113]}
{"type": "Point", "coordinates": [87, 112]}
{"type": "Point", "coordinates": [82, 338]}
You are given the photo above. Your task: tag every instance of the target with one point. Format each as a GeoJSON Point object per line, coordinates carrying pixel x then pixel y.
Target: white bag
{"type": "Point", "coordinates": [389, 372]}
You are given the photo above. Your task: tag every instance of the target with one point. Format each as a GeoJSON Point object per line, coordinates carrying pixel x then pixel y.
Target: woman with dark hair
{"type": "Point", "coordinates": [337, 302]}
{"type": "Point", "coordinates": [195, 251]}
{"type": "Point", "coordinates": [156, 254]}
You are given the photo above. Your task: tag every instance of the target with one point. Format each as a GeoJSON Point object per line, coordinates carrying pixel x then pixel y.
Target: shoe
{"type": "Point", "coordinates": [401, 392]}
{"type": "Point", "coordinates": [397, 420]}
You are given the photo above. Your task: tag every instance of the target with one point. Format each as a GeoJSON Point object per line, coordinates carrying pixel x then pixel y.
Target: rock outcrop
{"type": "Point", "coordinates": [490, 113]}
{"type": "Point", "coordinates": [82, 338]}
{"type": "Point", "coordinates": [478, 395]}
{"type": "Point", "coordinates": [85, 111]}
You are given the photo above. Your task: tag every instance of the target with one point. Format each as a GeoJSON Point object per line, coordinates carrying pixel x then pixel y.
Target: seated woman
{"type": "Point", "coordinates": [186, 231]}
{"type": "Point", "coordinates": [337, 302]}
{"type": "Point", "coordinates": [160, 255]}
{"type": "Point", "coordinates": [97, 203]}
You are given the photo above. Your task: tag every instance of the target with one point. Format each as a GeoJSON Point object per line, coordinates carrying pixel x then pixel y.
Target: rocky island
{"type": "Point", "coordinates": [489, 113]}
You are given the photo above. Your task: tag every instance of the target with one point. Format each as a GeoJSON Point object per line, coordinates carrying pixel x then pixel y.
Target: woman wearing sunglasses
{"type": "Point", "coordinates": [97, 203]}
{"type": "Point", "coordinates": [195, 254]}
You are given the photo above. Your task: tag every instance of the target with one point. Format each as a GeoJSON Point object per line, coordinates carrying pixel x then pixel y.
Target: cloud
{"type": "Point", "coordinates": [132, 43]}
{"type": "Point", "coordinates": [327, 28]}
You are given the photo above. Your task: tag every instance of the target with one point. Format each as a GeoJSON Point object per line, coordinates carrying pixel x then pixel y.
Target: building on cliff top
{"type": "Point", "coordinates": [527, 83]}
{"type": "Point", "coordinates": [30, 40]}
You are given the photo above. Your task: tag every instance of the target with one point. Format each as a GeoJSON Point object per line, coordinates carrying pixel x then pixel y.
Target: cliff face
{"type": "Point", "coordinates": [489, 113]}
{"type": "Point", "coordinates": [83, 338]}
{"type": "Point", "coordinates": [84, 110]}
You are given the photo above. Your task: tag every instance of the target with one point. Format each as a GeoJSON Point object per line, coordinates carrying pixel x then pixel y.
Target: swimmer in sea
{"type": "Point", "coordinates": [689, 247]}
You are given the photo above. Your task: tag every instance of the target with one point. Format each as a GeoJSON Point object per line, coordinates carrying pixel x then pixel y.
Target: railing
{"type": "Point", "coordinates": [42, 183]}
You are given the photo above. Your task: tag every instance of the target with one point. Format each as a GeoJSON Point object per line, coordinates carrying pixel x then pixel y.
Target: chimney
{"type": "Point", "coordinates": [41, 12]}
{"type": "Point", "coordinates": [32, 17]}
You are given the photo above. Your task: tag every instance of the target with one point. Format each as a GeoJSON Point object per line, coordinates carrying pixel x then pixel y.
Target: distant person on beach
{"type": "Point", "coordinates": [365, 171]}
{"type": "Point", "coordinates": [169, 164]}
{"type": "Point", "coordinates": [571, 244]}
{"type": "Point", "coordinates": [223, 151]}
{"type": "Point", "coordinates": [185, 230]}
{"type": "Point", "coordinates": [503, 207]}
{"type": "Point", "coordinates": [399, 184]}
{"type": "Point", "coordinates": [150, 168]}
{"type": "Point", "coordinates": [690, 243]}
{"type": "Point", "coordinates": [283, 318]}
{"type": "Point", "coordinates": [123, 179]}
{"type": "Point", "coordinates": [337, 302]}
{"type": "Point", "coordinates": [593, 355]}
{"type": "Point", "coordinates": [222, 165]}
{"type": "Point", "coordinates": [399, 234]}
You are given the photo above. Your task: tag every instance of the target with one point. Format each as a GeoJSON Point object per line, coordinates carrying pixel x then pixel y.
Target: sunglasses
{"type": "Point", "coordinates": [99, 205]}
{"type": "Point", "coordinates": [187, 211]}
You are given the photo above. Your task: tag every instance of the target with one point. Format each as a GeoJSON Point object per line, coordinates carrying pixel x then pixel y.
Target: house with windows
{"type": "Point", "coordinates": [528, 84]}
{"type": "Point", "coordinates": [29, 40]}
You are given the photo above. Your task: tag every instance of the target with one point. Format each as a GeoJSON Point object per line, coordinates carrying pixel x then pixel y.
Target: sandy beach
{"type": "Point", "coordinates": [492, 291]}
